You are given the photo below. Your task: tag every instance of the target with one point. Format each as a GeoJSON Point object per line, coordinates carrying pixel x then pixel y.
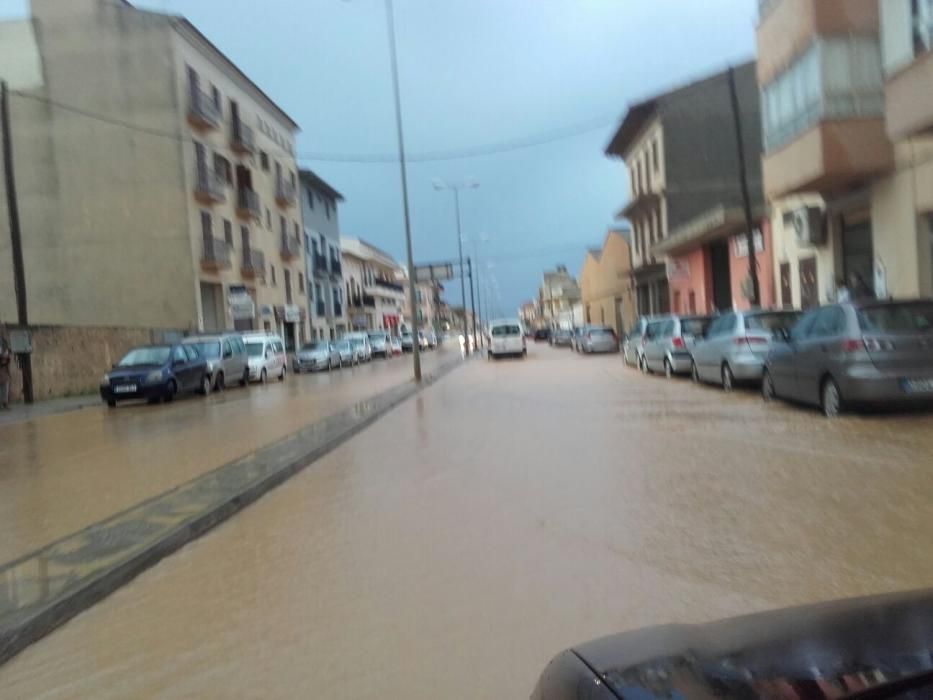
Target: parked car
{"type": "Point", "coordinates": [736, 344]}
{"type": "Point", "coordinates": [156, 373]}
{"type": "Point", "coordinates": [423, 341]}
{"type": "Point", "coordinates": [407, 341]}
{"type": "Point", "coordinates": [542, 334]}
{"type": "Point", "coordinates": [856, 352]}
{"type": "Point", "coordinates": [227, 361]}
{"type": "Point", "coordinates": [396, 345]}
{"type": "Point", "coordinates": [861, 647]}
{"type": "Point", "coordinates": [669, 343]}
{"type": "Point", "coordinates": [575, 336]}
{"type": "Point", "coordinates": [347, 353]}
{"type": "Point", "coordinates": [561, 338]}
{"type": "Point", "coordinates": [506, 338]}
{"type": "Point", "coordinates": [599, 339]}
{"type": "Point", "coordinates": [360, 343]}
{"type": "Point", "coordinates": [432, 339]}
{"type": "Point", "coordinates": [316, 355]}
{"type": "Point", "coordinates": [633, 344]}
{"type": "Point", "coordinates": [379, 343]}
{"type": "Point", "coordinates": [266, 356]}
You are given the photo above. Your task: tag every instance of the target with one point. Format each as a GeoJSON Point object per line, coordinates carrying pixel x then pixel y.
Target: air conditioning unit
{"type": "Point", "coordinates": [808, 225]}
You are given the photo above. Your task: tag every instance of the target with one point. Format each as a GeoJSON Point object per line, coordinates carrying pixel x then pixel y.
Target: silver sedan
{"type": "Point", "coordinates": [598, 339]}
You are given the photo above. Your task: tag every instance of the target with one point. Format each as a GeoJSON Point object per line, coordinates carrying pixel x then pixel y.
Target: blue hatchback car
{"type": "Point", "coordinates": [156, 373]}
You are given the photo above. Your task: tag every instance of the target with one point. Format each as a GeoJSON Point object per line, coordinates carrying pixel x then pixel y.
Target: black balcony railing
{"type": "Point", "coordinates": [254, 264]}
{"type": "Point", "coordinates": [202, 111]}
{"type": "Point", "coordinates": [369, 300]}
{"type": "Point", "coordinates": [320, 263]}
{"type": "Point", "coordinates": [242, 138]}
{"type": "Point", "coordinates": [285, 193]}
{"type": "Point", "coordinates": [247, 204]}
{"type": "Point", "coordinates": [289, 247]}
{"type": "Point", "coordinates": [336, 268]}
{"type": "Point", "coordinates": [216, 254]}
{"type": "Point", "coordinates": [210, 186]}
{"type": "Point", "coordinates": [388, 284]}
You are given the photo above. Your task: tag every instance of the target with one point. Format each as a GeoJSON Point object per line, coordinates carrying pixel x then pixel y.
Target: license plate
{"type": "Point", "coordinates": [917, 386]}
{"type": "Point", "coordinates": [124, 389]}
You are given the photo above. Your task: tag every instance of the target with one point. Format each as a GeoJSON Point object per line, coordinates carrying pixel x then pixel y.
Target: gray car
{"type": "Point", "coordinates": [669, 342]}
{"type": "Point", "coordinates": [598, 339]}
{"type": "Point", "coordinates": [227, 361]}
{"type": "Point", "coordinates": [736, 344]}
{"type": "Point", "coordinates": [633, 343]}
{"type": "Point", "coordinates": [379, 342]}
{"type": "Point", "coordinates": [855, 352]}
{"type": "Point", "coordinates": [315, 356]}
{"type": "Point", "coordinates": [347, 353]}
{"type": "Point", "coordinates": [561, 338]}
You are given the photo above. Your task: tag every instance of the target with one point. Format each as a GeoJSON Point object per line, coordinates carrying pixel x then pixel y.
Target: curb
{"type": "Point", "coordinates": [44, 589]}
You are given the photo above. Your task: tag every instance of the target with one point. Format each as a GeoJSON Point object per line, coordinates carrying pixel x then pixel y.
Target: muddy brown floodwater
{"type": "Point", "coordinates": [509, 511]}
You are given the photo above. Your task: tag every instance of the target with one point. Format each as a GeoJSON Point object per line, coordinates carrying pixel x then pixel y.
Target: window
{"type": "Point", "coordinates": [802, 328]}
{"type": "Point", "coordinates": [327, 207]}
{"type": "Point", "coordinates": [215, 96]}
{"type": "Point", "coordinates": [207, 226]}
{"type": "Point", "coordinates": [317, 293]}
{"type": "Point", "coordinates": [314, 248]}
{"type": "Point", "coordinates": [668, 329]}
{"type": "Point", "coordinates": [283, 226]}
{"type": "Point", "coordinates": [310, 291]}
{"type": "Point", "coordinates": [307, 243]}
{"type": "Point", "coordinates": [272, 274]}
{"type": "Point", "coordinates": [297, 232]}
{"type": "Point", "coordinates": [244, 238]}
{"type": "Point", "coordinates": [178, 354]}
{"type": "Point", "coordinates": [268, 219]}
{"type": "Point", "coordinates": [192, 352]}
{"type": "Point", "coordinates": [301, 283]}
{"type": "Point", "coordinates": [228, 232]}
{"type": "Point", "coordinates": [264, 161]}
{"type": "Point", "coordinates": [829, 322]}
{"type": "Point", "coordinates": [193, 80]}
{"type": "Point", "coordinates": [287, 277]}
{"type": "Point", "coordinates": [310, 199]}
{"type": "Point", "coordinates": [655, 160]}
{"type": "Point", "coordinates": [228, 348]}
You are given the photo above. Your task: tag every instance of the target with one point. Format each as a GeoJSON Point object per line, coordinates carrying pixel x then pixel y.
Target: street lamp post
{"type": "Point", "coordinates": [456, 187]}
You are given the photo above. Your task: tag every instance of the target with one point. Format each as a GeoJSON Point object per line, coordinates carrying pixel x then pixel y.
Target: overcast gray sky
{"type": "Point", "coordinates": [473, 72]}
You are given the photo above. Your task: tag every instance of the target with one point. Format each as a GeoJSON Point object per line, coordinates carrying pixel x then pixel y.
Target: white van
{"type": "Point", "coordinates": [266, 356]}
{"type": "Point", "coordinates": [506, 337]}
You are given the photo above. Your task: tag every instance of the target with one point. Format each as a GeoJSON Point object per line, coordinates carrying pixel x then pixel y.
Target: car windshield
{"type": "Point", "coordinates": [356, 342]}
{"type": "Point", "coordinates": [146, 356]}
{"type": "Point", "coordinates": [897, 319]}
{"type": "Point", "coordinates": [254, 349]}
{"type": "Point", "coordinates": [693, 326]}
{"type": "Point", "coordinates": [498, 331]}
{"type": "Point", "coordinates": [308, 347]}
{"type": "Point", "coordinates": [406, 336]}
{"type": "Point", "coordinates": [343, 345]}
{"type": "Point", "coordinates": [601, 332]}
{"type": "Point", "coordinates": [376, 337]}
{"type": "Point", "coordinates": [771, 322]}
{"type": "Point", "coordinates": [209, 349]}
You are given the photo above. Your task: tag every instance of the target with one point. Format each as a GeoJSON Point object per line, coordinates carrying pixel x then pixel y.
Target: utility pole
{"type": "Point", "coordinates": [415, 346]}
{"type": "Point", "coordinates": [466, 331]}
{"type": "Point", "coordinates": [472, 303]}
{"type": "Point", "coordinates": [16, 241]}
{"type": "Point", "coordinates": [743, 181]}
{"type": "Point", "coordinates": [479, 297]}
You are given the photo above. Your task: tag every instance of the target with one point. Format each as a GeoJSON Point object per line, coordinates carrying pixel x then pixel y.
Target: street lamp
{"type": "Point", "coordinates": [483, 238]}
{"type": "Point", "coordinates": [468, 184]}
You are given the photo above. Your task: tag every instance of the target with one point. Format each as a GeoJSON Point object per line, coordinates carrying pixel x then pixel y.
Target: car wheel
{"type": "Point", "coordinates": [694, 373]}
{"type": "Point", "coordinates": [263, 376]}
{"type": "Point", "coordinates": [767, 386]}
{"type": "Point", "coordinates": [244, 380]}
{"type": "Point", "coordinates": [668, 370]}
{"type": "Point", "coordinates": [831, 399]}
{"type": "Point", "coordinates": [525, 352]}
{"type": "Point", "coordinates": [643, 364]}
{"type": "Point", "coordinates": [111, 403]}
{"type": "Point", "coordinates": [282, 375]}
{"type": "Point", "coordinates": [219, 382]}
{"type": "Point", "coordinates": [170, 390]}
{"type": "Point", "coordinates": [205, 385]}
{"type": "Point", "coordinates": [728, 379]}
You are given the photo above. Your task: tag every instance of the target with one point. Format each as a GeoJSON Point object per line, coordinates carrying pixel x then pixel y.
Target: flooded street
{"type": "Point", "coordinates": [448, 551]}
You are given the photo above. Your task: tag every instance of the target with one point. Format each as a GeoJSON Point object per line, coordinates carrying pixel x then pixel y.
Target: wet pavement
{"type": "Point", "coordinates": [510, 510]}
{"type": "Point", "coordinates": [61, 473]}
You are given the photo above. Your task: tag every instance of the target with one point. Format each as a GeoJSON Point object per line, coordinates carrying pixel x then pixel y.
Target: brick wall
{"type": "Point", "coordinates": [69, 360]}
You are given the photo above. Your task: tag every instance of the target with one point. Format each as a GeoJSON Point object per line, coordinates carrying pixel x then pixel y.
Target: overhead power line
{"type": "Point", "coordinates": [496, 148]}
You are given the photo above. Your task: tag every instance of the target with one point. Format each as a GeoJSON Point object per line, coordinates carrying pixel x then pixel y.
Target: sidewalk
{"type": "Point", "coordinates": [20, 412]}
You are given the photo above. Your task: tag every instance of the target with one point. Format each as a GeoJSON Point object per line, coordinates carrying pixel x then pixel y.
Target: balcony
{"type": "Point", "coordinates": [254, 265]}
{"type": "Point", "coordinates": [285, 193]}
{"type": "Point", "coordinates": [360, 300]}
{"type": "Point", "coordinates": [290, 248]}
{"type": "Point", "coordinates": [829, 157]}
{"type": "Point", "coordinates": [209, 187]}
{"type": "Point", "coordinates": [215, 255]}
{"type": "Point", "coordinates": [386, 284]}
{"type": "Point", "coordinates": [320, 263]}
{"type": "Point", "coordinates": [242, 138]}
{"type": "Point", "coordinates": [247, 205]}
{"type": "Point", "coordinates": [202, 112]}
{"type": "Point", "coordinates": [910, 99]}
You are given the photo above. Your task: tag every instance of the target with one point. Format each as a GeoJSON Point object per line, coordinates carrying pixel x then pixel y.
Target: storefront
{"type": "Point", "coordinates": [290, 324]}
{"type": "Point", "coordinates": [242, 305]}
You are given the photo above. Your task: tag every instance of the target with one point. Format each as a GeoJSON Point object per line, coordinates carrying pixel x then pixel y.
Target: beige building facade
{"type": "Point", "coordinates": [848, 162]}
{"type": "Point", "coordinates": [156, 182]}
{"type": "Point", "coordinates": [559, 299]}
{"type": "Point", "coordinates": [606, 283]}
{"type": "Point", "coordinates": [375, 290]}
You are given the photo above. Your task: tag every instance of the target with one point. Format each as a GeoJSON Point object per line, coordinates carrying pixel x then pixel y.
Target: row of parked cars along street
{"type": "Point", "coordinates": [850, 353]}
{"type": "Point", "coordinates": [206, 363]}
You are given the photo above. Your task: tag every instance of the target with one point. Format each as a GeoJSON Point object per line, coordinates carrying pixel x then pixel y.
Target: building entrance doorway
{"type": "Point", "coordinates": [720, 275]}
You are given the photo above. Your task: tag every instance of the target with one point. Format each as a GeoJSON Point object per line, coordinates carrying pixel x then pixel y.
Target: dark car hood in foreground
{"type": "Point", "coordinates": [123, 371]}
{"type": "Point", "coordinates": [870, 647]}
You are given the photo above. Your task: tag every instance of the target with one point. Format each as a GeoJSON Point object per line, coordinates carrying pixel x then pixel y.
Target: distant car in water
{"type": "Point", "coordinates": [315, 356]}
{"type": "Point", "coordinates": [156, 373]}
{"type": "Point", "coordinates": [266, 356]}
{"type": "Point", "coordinates": [598, 339]}
{"type": "Point", "coordinates": [633, 344]}
{"type": "Point", "coordinates": [379, 342]}
{"type": "Point", "coordinates": [561, 338]}
{"type": "Point", "coordinates": [360, 343]}
{"type": "Point", "coordinates": [669, 342]}
{"type": "Point", "coordinates": [735, 346]}
{"type": "Point", "coordinates": [347, 353]}
{"type": "Point", "coordinates": [864, 352]}
{"type": "Point", "coordinates": [225, 354]}
{"type": "Point", "coordinates": [396, 345]}
{"type": "Point", "coordinates": [542, 334]}
{"type": "Point", "coordinates": [875, 647]}
{"type": "Point", "coordinates": [506, 338]}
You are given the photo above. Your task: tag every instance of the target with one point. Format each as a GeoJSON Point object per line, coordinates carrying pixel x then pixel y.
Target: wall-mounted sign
{"type": "Point", "coordinates": [678, 269]}
{"type": "Point", "coordinates": [434, 272]}
{"type": "Point", "coordinates": [292, 313]}
{"type": "Point", "coordinates": [266, 311]}
{"type": "Point", "coordinates": [740, 244]}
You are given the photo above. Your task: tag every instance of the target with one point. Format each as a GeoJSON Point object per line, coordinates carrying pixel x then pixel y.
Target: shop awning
{"type": "Point", "coordinates": [713, 225]}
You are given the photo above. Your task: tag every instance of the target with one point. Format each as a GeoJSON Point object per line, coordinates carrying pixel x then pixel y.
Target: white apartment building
{"type": "Point", "coordinates": [374, 285]}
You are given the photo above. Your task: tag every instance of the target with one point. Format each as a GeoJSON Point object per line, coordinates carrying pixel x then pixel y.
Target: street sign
{"type": "Point", "coordinates": [434, 272]}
